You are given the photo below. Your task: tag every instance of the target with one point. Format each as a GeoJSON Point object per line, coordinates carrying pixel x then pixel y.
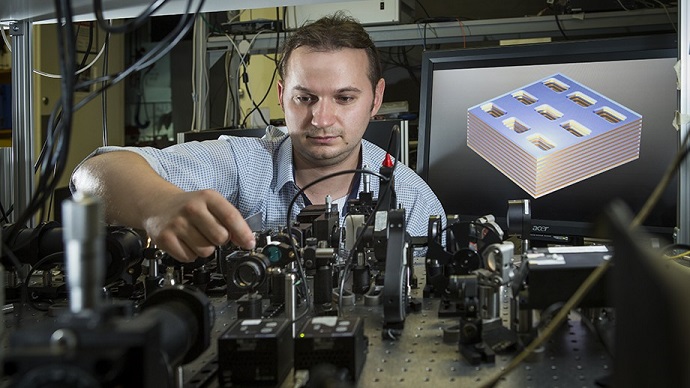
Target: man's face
{"type": "Point", "coordinates": [328, 100]}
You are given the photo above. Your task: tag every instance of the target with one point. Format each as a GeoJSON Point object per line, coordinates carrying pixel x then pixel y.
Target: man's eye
{"type": "Point", "coordinates": [305, 99]}
{"type": "Point", "coordinates": [346, 99]}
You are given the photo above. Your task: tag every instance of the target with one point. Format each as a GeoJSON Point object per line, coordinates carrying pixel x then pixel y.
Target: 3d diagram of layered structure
{"type": "Point", "coordinates": [553, 133]}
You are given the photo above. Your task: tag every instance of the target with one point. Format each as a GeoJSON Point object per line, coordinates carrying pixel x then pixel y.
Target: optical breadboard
{"type": "Point", "coordinates": [553, 133]}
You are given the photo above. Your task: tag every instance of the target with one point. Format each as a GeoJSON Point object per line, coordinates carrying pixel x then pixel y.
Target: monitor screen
{"type": "Point", "coordinates": [568, 125]}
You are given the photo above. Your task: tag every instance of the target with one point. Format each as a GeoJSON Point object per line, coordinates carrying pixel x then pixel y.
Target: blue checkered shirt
{"type": "Point", "coordinates": [256, 176]}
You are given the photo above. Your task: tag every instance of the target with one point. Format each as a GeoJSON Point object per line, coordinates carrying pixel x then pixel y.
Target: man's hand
{"type": "Point", "coordinates": [188, 225]}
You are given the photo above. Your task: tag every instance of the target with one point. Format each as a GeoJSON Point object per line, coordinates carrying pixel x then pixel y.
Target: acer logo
{"type": "Point", "coordinates": [539, 228]}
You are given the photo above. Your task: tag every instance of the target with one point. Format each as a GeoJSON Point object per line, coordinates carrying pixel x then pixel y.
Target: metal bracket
{"type": "Point", "coordinates": [16, 29]}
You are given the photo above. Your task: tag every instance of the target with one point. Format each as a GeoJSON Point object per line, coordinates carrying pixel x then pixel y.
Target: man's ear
{"type": "Point", "coordinates": [378, 96]}
{"type": "Point", "coordinates": [280, 94]}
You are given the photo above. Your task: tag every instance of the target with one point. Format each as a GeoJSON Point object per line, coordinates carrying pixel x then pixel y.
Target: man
{"type": "Point", "coordinates": [194, 196]}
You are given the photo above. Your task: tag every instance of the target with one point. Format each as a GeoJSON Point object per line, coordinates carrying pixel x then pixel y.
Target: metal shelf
{"type": "Point", "coordinates": [577, 25]}
{"type": "Point", "coordinates": [42, 11]}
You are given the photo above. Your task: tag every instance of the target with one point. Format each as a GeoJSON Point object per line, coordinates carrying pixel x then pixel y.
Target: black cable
{"type": "Point", "coordinates": [270, 86]}
{"type": "Point", "coordinates": [599, 271]}
{"type": "Point", "coordinates": [45, 214]}
{"type": "Point", "coordinates": [162, 48]}
{"type": "Point", "coordinates": [423, 8]}
{"type": "Point", "coordinates": [299, 193]}
{"type": "Point", "coordinates": [245, 80]}
{"type": "Point", "coordinates": [402, 61]}
{"type": "Point", "coordinates": [130, 26]}
{"type": "Point", "coordinates": [56, 147]}
{"type": "Point", "coordinates": [54, 156]}
{"type": "Point", "coordinates": [89, 45]}
{"type": "Point", "coordinates": [141, 101]}
{"type": "Point", "coordinates": [350, 257]}
{"type": "Point", "coordinates": [44, 149]}
{"type": "Point", "coordinates": [558, 23]}
{"type": "Point", "coordinates": [221, 87]}
{"type": "Point", "coordinates": [5, 214]}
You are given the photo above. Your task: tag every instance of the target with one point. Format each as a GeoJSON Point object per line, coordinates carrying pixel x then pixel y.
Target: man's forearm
{"type": "Point", "coordinates": [126, 184]}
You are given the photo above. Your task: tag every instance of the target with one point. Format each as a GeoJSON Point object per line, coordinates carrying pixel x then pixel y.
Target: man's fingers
{"type": "Point", "coordinates": [176, 247]}
{"type": "Point", "coordinates": [233, 222]}
{"type": "Point", "coordinates": [186, 237]}
{"type": "Point", "coordinates": [194, 223]}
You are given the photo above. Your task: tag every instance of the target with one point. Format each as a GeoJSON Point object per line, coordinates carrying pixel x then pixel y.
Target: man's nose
{"type": "Point", "coordinates": [323, 114]}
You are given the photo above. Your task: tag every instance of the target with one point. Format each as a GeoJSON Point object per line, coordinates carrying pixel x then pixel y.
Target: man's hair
{"type": "Point", "coordinates": [332, 33]}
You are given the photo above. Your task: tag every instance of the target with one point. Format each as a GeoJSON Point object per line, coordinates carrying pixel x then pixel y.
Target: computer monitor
{"type": "Point", "coordinates": [568, 125]}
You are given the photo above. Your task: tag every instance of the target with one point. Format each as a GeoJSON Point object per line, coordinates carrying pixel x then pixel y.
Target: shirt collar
{"type": "Point", "coordinates": [368, 157]}
{"type": "Point", "coordinates": [284, 163]}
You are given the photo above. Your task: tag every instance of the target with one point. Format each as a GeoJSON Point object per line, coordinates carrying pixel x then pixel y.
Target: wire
{"type": "Point", "coordinates": [668, 14]}
{"type": "Point", "coordinates": [663, 183]}
{"type": "Point", "coordinates": [270, 83]}
{"type": "Point", "coordinates": [148, 59]}
{"type": "Point", "coordinates": [558, 24]}
{"type": "Point", "coordinates": [58, 76]}
{"type": "Point", "coordinates": [243, 62]}
{"type": "Point", "coordinates": [229, 96]}
{"type": "Point", "coordinates": [245, 79]}
{"type": "Point", "coordinates": [684, 248]}
{"type": "Point", "coordinates": [402, 61]}
{"type": "Point", "coordinates": [104, 95]}
{"type": "Point", "coordinates": [622, 6]}
{"type": "Point", "coordinates": [103, 49]}
{"type": "Point", "coordinates": [423, 8]}
{"type": "Point", "coordinates": [4, 37]}
{"type": "Point", "coordinates": [130, 26]}
{"type": "Point", "coordinates": [598, 272]}
{"type": "Point", "coordinates": [462, 30]}
{"type": "Point", "coordinates": [350, 257]}
{"type": "Point", "coordinates": [58, 138]}
{"type": "Point", "coordinates": [237, 16]}
{"type": "Point", "coordinates": [427, 22]}
{"type": "Point", "coordinates": [4, 214]}
{"type": "Point", "coordinates": [574, 300]}
{"type": "Point", "coordinates": [89, 44]}
{"type": "Point", "coordinates": [299, 193]}
{"type": "Point", "coordinates": [59, 123]}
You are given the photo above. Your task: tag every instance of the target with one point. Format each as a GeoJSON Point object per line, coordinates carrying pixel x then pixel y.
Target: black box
{"type": "Point", "coordinates": [255, 352]}
{"type": "Point", "coordinates": [252, 26]}
{"type": "Point", "coordinates": [332, 340]}
{"type": "Point", "coordinates": [555, 275]}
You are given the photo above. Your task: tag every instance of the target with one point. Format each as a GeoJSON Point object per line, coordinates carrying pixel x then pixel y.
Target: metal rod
{"type": "Point", "coordinates": [200, 75]}
{"type": "Point", "coordinates": [22, 116]}
{"type": "Point", "coordinates": [291, 301]}
{"type": "Point", "coordinates": [684, 173]}
{"type": "Point", "coordinates": [84, 239]}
